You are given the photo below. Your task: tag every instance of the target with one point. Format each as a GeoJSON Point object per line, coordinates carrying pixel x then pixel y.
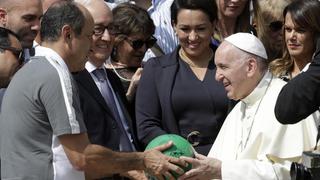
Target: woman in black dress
{"type": "Point", "coordinates": [178, 93]}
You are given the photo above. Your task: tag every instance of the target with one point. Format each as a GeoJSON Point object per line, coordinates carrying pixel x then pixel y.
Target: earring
{"type": "Point", "coordinates": [114, 53]}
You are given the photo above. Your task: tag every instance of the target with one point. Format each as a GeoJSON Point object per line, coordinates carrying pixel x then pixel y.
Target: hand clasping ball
{"type": "Point", "coordinates": [180, 147]}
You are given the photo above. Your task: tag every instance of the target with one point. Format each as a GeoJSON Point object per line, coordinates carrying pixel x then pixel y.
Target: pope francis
{"type": "Point", "coordinates": [251, 144]}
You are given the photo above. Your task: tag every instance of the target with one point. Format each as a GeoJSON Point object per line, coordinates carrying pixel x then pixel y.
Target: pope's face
{"type": "Point", "coordinates": [231, 71]}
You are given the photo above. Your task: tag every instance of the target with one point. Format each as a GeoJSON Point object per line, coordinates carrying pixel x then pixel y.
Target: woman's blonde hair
{"type": "Point", "coordinates": [266, 12]}
{"type": "Point", "coordinates": [242, 23]}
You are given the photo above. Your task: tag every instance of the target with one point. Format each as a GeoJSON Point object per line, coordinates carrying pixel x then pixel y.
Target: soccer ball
{"type": "Point", "coordinates": [180, 147]}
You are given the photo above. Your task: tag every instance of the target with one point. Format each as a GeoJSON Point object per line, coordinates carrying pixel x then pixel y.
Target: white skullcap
{"type": "Point", "coordinates": [249, 43]}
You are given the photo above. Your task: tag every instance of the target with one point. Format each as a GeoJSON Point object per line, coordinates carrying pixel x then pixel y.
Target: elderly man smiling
{"type": "Point", "coordinates": [251, 144]}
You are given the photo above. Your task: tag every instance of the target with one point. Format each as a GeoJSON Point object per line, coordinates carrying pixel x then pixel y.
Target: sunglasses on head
{"type": "Point", "coordinates": [275, 26]}
{"type": "Point", "coordinates": [18, 53]}
{"type": "Point", "coordinates": [137, 44]}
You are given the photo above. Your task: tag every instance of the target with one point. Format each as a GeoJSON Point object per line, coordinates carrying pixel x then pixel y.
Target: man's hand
{"type": "Point", "coordinates": [160, 165]}
{"type": "Point", "coordinates": [202, 168]}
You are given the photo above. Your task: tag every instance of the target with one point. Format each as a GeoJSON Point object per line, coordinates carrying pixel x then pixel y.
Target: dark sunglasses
{"type": "Point", "coordinates": [275, 26]}
{"type": "Point", "coordinates": [18, 53]}
{"type": "Point", "coordinates": [137, 44]}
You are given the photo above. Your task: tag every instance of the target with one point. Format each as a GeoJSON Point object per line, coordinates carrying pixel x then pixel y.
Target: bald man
{"type": "Point", "coordinates": [21, 17]}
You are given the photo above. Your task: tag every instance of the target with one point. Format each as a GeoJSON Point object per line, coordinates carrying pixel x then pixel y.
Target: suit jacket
{"type": "Point", "coordinates": [101, 126]}
{"type": "Point", "coordinates": [148, 130]}
{"type": "Point", "coordinates": [154, 111]}
{"type": "Point", "coordinates": [301, 96]}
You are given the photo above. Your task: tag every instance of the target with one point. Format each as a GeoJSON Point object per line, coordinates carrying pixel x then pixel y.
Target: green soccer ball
{"type": "Point", "coordinates": [180, 147]}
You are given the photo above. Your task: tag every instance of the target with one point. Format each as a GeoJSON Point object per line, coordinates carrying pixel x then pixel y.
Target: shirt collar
{"type": "Point", "coordinates": [35, 44]}
{"type": "Point", "coordinates": [91, 67]}
{"type": "Point", "coordinates": [259, 91]}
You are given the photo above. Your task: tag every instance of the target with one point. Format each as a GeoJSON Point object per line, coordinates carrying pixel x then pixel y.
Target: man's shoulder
{"type": "Point", "coordinates": [276, 86]}
{"type": "Point", "coordinates": [35, 76]}
{"type": "Point", "coordinates": [39, 65]}
{"type": "Point", "coordinates": [36, 71]}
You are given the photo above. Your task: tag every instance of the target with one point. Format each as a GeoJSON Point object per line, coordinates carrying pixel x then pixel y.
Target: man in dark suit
{"type": "Point", "coordinates": [103, 100]}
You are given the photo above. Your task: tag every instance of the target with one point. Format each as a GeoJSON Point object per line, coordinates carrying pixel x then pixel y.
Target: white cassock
{"type": "Point", "coordinates": [253, 145]}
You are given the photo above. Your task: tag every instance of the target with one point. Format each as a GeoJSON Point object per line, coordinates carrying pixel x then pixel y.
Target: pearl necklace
{"type": "Point", "coordinates": [117, 73]}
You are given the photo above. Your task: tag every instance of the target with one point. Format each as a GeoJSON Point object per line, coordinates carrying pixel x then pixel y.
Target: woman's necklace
{"type": "Point", "coordinates": [117, 73]}
{"type": "Point", "coordinates": [198, 69]}
{"type": "Point", "coordinates": [204, 61]}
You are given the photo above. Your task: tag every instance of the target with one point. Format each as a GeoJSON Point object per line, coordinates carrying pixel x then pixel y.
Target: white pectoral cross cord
{"type": "Point", "coordinates": [249, 112]}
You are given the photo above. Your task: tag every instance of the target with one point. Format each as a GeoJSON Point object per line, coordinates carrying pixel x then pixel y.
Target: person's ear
{"type": "Point", "coordinates": [174, 25]}
{"type": "Point", "coordinates": [3, 17]}
{"type": "Point", "coordinates": [254, 24]}
{"type": "Point", "coordinates": [252, 66]}
{"type": "Point", "coordinates": [66, 33]}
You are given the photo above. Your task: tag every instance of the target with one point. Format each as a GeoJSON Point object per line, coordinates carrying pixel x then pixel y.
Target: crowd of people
{"type": "Point", "coordinates": [86, 85]}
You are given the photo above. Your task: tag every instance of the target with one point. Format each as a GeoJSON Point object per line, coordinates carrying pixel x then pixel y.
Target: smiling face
{"type": "Point", "coordinates": [24, 19]}
{"type": "Point", "coordinates": [231, 8]}
{"type": "Point", "coordinates": [232, 71]}
{"type": "Point", "coordinates": [299, 41]}
{"type": "Point", "coordinates": [194, 31]}
{"type": "Point", "coordinates": [102, 40]}
{"type": "Point", "coordinates": [129, 56]}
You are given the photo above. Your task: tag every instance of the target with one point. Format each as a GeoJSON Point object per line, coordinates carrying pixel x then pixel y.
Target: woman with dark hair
{"type": "Point", "coordinates": [177, 92]}
{"type": "Point", "coordinates": [133, 29]}
{"type": "Point", "coordinates": [301, 31]}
